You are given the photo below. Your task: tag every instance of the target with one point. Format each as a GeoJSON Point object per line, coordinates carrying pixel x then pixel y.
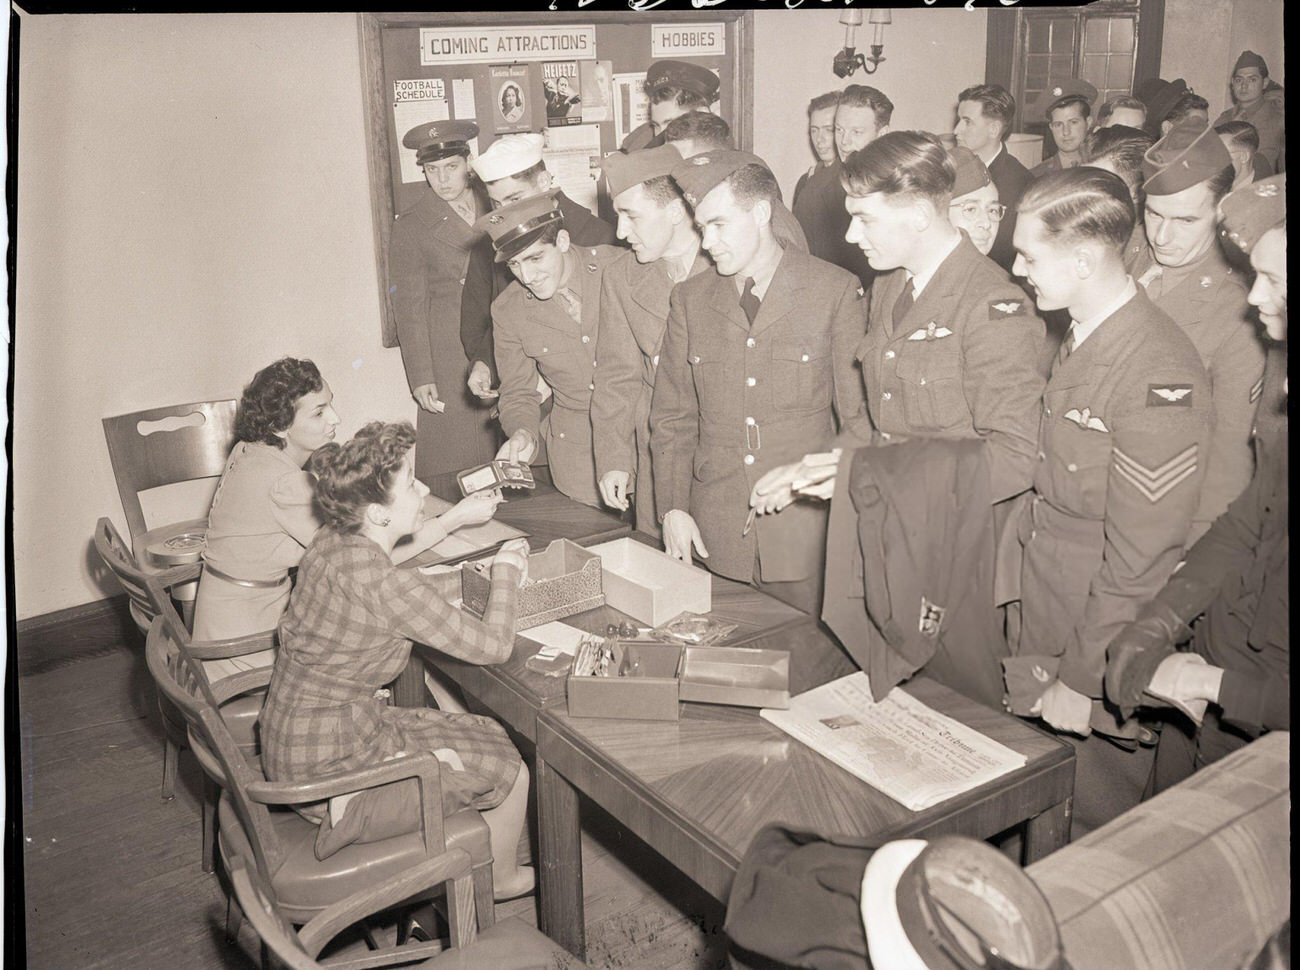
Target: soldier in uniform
{"type": "Point", "coordinates": [1252, 103]}
{"type": "Point", "coordinates": [1066, 107]}
{"type": "Point", "coordinates": [547, 325]}
{"type": "Point", "coordinates": [756, 366]}
{"type": "Point", "coordinates": [512, 169]}
{"type": "Point", "coordinates": [1122, 437]}
{"type": "Point", "coordinates": [426, 265]}
{"type": "Point", "coordinates": [1236, 679]}
{"type": "Point", "coordinates": [862, 116]}
{"type": "Point", "coordinates": [984, 116]}
{"type": "Point", "coordinates": [1187, 275]}
{"type": "Point", "coordinates": [672, 88]}
{"type": "Point", "coordinates": [655, 220]}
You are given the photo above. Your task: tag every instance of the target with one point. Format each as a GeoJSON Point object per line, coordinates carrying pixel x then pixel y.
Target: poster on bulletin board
{"type": "Point", "coordinates": [578, 81]}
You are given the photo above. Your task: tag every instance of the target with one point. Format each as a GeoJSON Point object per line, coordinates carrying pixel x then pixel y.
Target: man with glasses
{"type": "Point", "coordinates": [974, 208]}
{"type": "Point", "coordinates": [1066, 106]}
{"type": "Point", "coordinates": [1252, 103]}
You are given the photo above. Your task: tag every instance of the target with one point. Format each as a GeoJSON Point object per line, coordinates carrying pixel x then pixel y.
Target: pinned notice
{"type": "Point", "coordinates": [687, 40]}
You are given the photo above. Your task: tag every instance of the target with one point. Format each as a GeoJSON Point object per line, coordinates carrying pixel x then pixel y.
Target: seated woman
{"type": "Point", "coordinates": [348, 631]}
{"type": "Point", "coordinates": [262, 517]}
{"type": "Point", "coordinates": [974, 208]}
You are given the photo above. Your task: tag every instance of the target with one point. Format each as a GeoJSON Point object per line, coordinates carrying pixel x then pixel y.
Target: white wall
{"type": "Point", "coordinates": [1202, 39]}
{"type": "Point", "coordinates": [930, 56]}
{"type": "Point", "coordinates": [193, 203]}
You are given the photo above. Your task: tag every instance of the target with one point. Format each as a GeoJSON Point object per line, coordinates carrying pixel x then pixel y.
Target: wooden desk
{"type": "Point", "coordinates": [698, 790]}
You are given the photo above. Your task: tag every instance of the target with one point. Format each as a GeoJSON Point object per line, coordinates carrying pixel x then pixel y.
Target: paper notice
{"type": "Point", "coordinates": [462, 99]}
{"type": "Point", "coordinates": [572, 156]}
{"type": "Point", "coordinates": [631, 106]}
{"type": "Point", "coordinates": [555, 637]}
{"type": "Point", "coordinates": [909, 751]}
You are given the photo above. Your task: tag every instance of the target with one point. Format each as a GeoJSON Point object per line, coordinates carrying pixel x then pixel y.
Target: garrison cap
{"type": "Point", "coordinates": [698, 175]}
{"type": "Point", "coordinates": [1160, 96]}
{"type": "Point", "coordinates": [1250, 211]}
{"type": "Point", "coordinates": [509, 155]}
{"type": "Point", "coordinates": [1186, 155]}
{"type": "Point", "coordinates": [440, 139]}
{"type": "Point", "coordinates": [517, 226]}
{"type": "Point", "coordinates": [624, 171]}
{"type": "Point", "coordinates": [970, 169]}
{"type": "Point", "coordinates": [1054, 92]}
{"type": "Point", "coordinates": [685, 75]}
{"type": "Point", "coordinates": [1250, 59]}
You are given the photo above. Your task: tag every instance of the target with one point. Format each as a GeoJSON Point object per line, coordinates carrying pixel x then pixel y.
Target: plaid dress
{"type": "Point", "coordinates": [347, 632]}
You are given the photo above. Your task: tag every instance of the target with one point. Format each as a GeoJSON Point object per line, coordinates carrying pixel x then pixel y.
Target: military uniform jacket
{"type": "Point", "coordinates": [1209, 303]}
{"type": "Point", "coordinates": [1011, 178]}
{"type": "Point", "coordinates": [427, 259]}
{"type": "Point", "coordinates": [732, 401]}
{"type": "Point", "coordinates": [1269, 120]}
{"type": "Point", "coordinates": [634, 314]}
{"type": "Point", "coordinates": [486, 279]}
{"type": "Point", "coordinates": [962, 363]}
{"type": "Point", "coordinates": [1121, 445]}
{"type": "Point", "coordinates": [1052, 164]}
{"type": "Point", "coordinates": [538, 337]}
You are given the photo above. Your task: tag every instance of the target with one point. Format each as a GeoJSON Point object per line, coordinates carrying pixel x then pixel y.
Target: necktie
{"type": "Point", "coordinates": [749, 302]}
{"type": "Point", "coordinates": [1151, 280]}
{"type": "Point", "coordinates": [903, 303]}
{"type": "Point", "coordinates": [1067, 346]}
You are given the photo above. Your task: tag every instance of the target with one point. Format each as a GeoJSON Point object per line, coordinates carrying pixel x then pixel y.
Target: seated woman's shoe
{"type": "Point", "coordinates": [524, 883]}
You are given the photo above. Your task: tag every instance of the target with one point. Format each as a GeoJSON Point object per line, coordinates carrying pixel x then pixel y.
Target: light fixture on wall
{"type": "Point", "coordinates": [847, 61]}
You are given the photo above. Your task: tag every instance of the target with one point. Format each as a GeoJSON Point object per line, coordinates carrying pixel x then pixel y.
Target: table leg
{"type": "Point", "coordinates": [1047, 832]}
{"type": "Point", "coordinates": [560, 846]}
{"type": "Point", "coordinates": [408, 689]}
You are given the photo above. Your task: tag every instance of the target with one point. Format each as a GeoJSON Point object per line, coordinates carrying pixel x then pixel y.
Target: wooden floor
{"type": "Point", "coordinates": [112, 875]}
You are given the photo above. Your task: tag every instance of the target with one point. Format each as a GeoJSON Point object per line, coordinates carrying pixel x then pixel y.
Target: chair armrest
{"type": "Point", "coordinates": [244, 682]}
{"type": "Point", "coordinates": [232, 646]}
{"type": "Point", "coordinates": [423, 767]}
{"type": "Point", "coordinates": [452, 865]}
{"type": "Point", "coordinates": [169, 576]}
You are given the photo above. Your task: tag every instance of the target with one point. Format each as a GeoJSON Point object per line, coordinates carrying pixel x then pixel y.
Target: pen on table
{"type": "Point", "coordinates": [749, 521]}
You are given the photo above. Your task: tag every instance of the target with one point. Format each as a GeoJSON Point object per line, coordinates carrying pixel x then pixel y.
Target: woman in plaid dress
{"type": "Point", "coordinates": [348, 631]}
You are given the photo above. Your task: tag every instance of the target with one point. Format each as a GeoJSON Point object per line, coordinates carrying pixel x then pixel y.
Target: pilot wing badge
{"type": "Point", "coordinates": [1169, 395]}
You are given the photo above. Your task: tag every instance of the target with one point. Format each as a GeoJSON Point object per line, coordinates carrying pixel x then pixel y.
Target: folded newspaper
{"type": "Point", "coordinates": [912, 753]}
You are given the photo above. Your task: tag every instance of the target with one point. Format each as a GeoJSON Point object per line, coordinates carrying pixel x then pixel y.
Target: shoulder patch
{"type": "Point", "coordinates": [1256, 390]}
{"type": "Point", "coordinates": [1169, 395]}
{"type": "Point", "coordinates": [1005, 308]}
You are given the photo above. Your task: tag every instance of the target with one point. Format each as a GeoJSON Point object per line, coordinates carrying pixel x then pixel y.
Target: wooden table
{"type": "Point", "coordinates": [699, 789]}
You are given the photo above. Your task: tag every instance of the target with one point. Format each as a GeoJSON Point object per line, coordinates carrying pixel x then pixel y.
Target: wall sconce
{"type": "Point", "coordinates": [847, 61]}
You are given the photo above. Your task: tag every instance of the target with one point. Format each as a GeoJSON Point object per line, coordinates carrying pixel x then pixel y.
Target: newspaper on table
{"type": "Point", "coordinates": [912, 753]}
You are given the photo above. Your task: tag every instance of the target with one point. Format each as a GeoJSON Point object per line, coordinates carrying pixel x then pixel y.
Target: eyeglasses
{"type": "Point", "coordinates": [973, 210]}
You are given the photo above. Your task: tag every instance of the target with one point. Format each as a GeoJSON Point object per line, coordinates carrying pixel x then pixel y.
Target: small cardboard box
{"type": "Point", "coordinates": [657, 675]}
{"type": "Point", "coordinates": [651, 585]}
{"type": "Point", "coordinates": [563, 579]}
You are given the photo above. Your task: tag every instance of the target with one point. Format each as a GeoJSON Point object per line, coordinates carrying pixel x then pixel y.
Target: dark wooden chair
{"type": "Point", "coordinates": [282, 844]}
{"type": "Point", "coordinates": [509, 945]}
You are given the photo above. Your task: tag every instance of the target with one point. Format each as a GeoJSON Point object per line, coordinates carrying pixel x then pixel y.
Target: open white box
{"type": "Point", "coordinates": [651, 585]}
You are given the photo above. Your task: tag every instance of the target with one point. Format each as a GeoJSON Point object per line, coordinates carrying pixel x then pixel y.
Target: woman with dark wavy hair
{"type": "Point", "coordinates": [262, 518]}
{"type": "Point", "coordinates": [348, 631]}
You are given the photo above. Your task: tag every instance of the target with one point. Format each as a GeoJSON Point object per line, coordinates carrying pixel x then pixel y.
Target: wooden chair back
{"type": "Point", "coordinates": [180, 679]}
{"type": "Point", "coordinates": [117, 557]}
{"type": "Point", "coordinates": [167, 445]}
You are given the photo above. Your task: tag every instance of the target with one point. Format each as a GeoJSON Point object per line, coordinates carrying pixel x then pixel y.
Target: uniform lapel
{"type": "Point", "coordinates": [725, 299]}
{"type": "Point", "coordinates": [781, 296]}
{"type": "Point", "coordinates": [936, 301]}
{"type": "Point", "coordinates": [650, 287]}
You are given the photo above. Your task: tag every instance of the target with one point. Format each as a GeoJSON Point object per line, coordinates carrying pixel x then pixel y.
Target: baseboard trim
{"type": "Point", "coordinates": [33, 624]}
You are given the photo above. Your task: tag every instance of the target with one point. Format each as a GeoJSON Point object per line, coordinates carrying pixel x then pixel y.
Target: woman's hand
{"type": "Point", "coordinates": [472, 510]}
{"type": "Point", "coordinates": [514, 553]}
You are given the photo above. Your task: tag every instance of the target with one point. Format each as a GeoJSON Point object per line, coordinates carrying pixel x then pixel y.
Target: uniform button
{"type": "Point", "coordinates": [750, 382]}
{"type": "Point", "coordinates": [749, 459]}
{"type": "Point", "coordinates": [1033, 534]}
{"type": "Point", "coordinates": [1047, 411]}
{"type": "Point", "coordinates": [561, 434]}
{"type": "Point", "coordinates": [890, 355]}
{"type": "Point", "coordinates": [750, 342]}
{"type": "Point", "coordinates": [462, 282]}
{"type": "Point", "coordinates": [804, 358]}
{"type": "Point", "coordinates": [593, 362]}
{"type": "Point", "coordinates": [921, 381]}
{"type": "Point", "coordinates": [591, 387]}
{"type": "Point", "coordinates": [1042, 456]}
{"type": "Point", "coordinates": [546, 350]}
{"type": "Point", "coordinates": [586, 339]}
{"type": "Point", "coordinates": [886, 435]}
{"type": "Point", "coordinates": [1071, 467]}
{"type": "Point", "coordinates": [654, 361]}
{"type": "Point", "coordinates": [695, 359]}
{"type": "Point", "coordinates": [887, 396]}
{"type": "Point", "coordinates": [749, 421]}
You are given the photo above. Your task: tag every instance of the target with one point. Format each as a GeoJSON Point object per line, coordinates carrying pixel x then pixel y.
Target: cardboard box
{"type": "Point", "coordinates": [657, 675]}
{"type": "Point", "coordinates": [651, 585]}
{"type": "Point", "coordinates": [563, 579]}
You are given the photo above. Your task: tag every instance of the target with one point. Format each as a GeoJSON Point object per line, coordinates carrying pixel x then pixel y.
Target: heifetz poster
{"type": "Point", "coordinates": [511, 107]}
{"type": "Point", "coordinates": [562, 85]}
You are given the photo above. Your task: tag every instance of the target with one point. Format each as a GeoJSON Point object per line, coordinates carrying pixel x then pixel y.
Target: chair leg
{"type": "Point", "coordinates": [210, 794]}
{"type": "Point", "coordinates": [484, 904]}
{"type": "Point", "coordinates": [171, 754]}
{"type": "Point", "coordinates": [234, 916]}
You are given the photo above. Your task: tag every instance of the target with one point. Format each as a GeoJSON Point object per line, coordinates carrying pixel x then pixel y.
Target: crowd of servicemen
{"type": "Point", "coordinates": [1045, 424]}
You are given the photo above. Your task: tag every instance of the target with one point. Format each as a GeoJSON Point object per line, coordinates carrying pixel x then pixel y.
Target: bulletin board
{"type": "Point", "coordinates": [576, 77]}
